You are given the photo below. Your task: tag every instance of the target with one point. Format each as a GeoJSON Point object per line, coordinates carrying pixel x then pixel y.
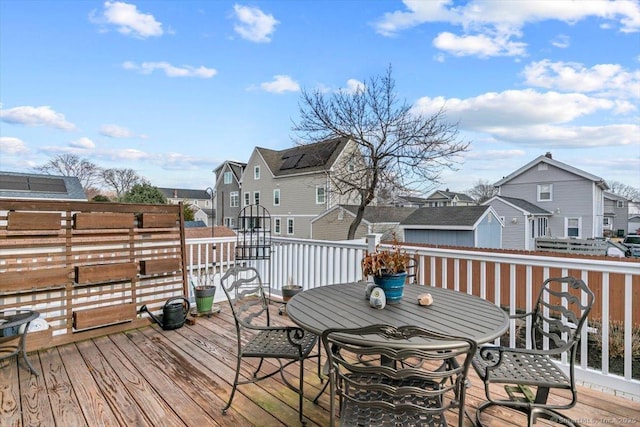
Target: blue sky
{"type": "Point", "coordinates": [173, 88]}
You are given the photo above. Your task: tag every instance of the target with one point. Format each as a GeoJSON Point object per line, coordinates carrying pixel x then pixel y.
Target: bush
{"type": "Point", "coordinates": [616, 338]}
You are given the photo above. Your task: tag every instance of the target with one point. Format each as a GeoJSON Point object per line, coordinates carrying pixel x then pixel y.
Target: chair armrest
{"type": "Point", "coordinates": [520, 316]}
{"type": "Point", "coordinates": [485, 355]}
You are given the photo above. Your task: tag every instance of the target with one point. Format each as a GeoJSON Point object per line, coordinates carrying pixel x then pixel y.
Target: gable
{"type": "Point", "coordinates": [543, 164]}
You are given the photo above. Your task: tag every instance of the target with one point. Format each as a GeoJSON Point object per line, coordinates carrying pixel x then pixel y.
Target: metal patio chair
{"type": "Point", "coordinates": [388, 393]}
{"type": "Point", "coordinates": [557, 318]}
{"type": "Point", "coordinates": [286, 344]}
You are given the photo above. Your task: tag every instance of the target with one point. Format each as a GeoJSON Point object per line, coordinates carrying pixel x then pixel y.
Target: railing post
{"type": "Point", "coordinates": [373, 240]}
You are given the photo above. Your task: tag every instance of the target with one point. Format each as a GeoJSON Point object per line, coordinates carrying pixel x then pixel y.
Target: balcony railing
{"type": "Point", "coordinates": [509, 280]}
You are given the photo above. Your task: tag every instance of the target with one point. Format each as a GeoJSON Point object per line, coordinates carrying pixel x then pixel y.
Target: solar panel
{"type": "Point", "coordinates": [11, 182]}
{"type": "Point", "coordinates": [291, 161]}
{"type": "Point", "coordinates": [50, 185]}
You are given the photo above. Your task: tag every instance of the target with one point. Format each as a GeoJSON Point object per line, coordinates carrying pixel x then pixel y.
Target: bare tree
{"type": "Point", "coordinates": [71, 165]}
{"type": "Point", "coordinates": [122, 180]}
{"type": "Point", "coordinates": [400, 148]}
{"type": "Point", "coordinates": [624, 190]}
{"type": "Point", "coordinates": [482, 191]}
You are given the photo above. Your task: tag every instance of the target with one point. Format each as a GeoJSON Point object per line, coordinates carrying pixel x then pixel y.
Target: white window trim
{"type": "Point", "coordinates": [246, 199]}
{"type": "Point", "coordinates": [234, 195]}
{"type": "Point", "coordinates": [566, 227]}
{"type": "Point", "coordinates": [256, 172]}
{"type": "Point", "coordinates": [256, 193]}
{"type": "Point", "coordinates": [620, 203]}
{"type": "Point", "coordinates": [227, 175]}
{"type": "Point", "coordinates": [290, 221]}
{"type": "Point", "coordinates": [276, 191]}
{"type": "Point", "coordinates": [318, 202]}
{"type": "Point", "coordinates": [550, 199]}
{"type": "Point", "coordinates": [277, 225]}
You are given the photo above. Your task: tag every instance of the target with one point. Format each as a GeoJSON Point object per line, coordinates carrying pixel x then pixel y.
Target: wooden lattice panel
{"type": "Point", "coordinates": [88, 267]}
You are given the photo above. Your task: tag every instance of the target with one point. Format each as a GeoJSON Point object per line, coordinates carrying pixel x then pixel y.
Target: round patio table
{"type": "Point", "coordinates": [452, 313]}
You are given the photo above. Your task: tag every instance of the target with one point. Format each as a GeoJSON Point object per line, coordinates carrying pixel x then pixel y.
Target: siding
{"type": "Point", "coordinates": [330, 227]}
{"type": "Point", "coordinates": [513, 235]}
{"type": "Point", "coordinates": [440, 237]}
{"type": "Point", "coordinates": [489, 233]}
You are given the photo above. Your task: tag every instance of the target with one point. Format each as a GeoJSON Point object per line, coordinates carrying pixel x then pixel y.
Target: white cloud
{"type": "Point", "coordinates": [354, 85]}
{"type": "Point", "coordinates": [171, 70]}
{"type": "Point", "coordinates": [83, 144]}
{"type": "Point", "coordinates": [115, 131]}
{"type": "Point", "coordinates": [253, 24]}
{"type": "Point", "coordinates": [480, 45]}
{"type": "Point", "coordinates": [489, 27]}
{"type": "Point", "coordinates": [281, 84]}
{"type": "Point", "coordinates": [528, 117]}
{"type": "Point", "coordinates": [602, 79]}
{"type": "Point", "coordinates": [36, 116]}
{"type": "Point", "coordinates": [561, 41]}
{"type": "Point", "coordinates": [128, 20]}
{"type": "Point", "coordinates": [11, 145]}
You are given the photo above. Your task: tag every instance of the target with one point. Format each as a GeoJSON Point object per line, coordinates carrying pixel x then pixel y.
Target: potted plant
{"type": "Point", "coordinates": [389, 270]}
{"type": "Point", "coordinates": [204, 293]}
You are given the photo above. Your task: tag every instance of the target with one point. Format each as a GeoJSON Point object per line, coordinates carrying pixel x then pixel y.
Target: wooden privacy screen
{"type": "Point", "coordinates": [88, 267]}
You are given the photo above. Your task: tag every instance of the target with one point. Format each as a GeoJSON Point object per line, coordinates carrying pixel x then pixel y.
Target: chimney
{"type": "Point", "coordinates": [548, 155]}
{"type": "Point", "coordinates": [175, 194]}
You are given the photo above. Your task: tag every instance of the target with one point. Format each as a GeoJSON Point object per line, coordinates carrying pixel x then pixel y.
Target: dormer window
{"type": "Point", "coordinates": [227, 177]}
{"type": "Point", "coordinates": [256, 172]}
{"type": "Point", "coordinates": [545, 192]}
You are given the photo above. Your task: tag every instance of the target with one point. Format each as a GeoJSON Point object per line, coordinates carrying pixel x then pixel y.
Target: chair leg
{"type": "Point", "coordinates": [233, 390]}
{"type": "Point", "coordinates": [301, 394]}
{"type": "Point", "coordinates": [255, 374]}
{"type": "Point", "coordinates": [532, 414]}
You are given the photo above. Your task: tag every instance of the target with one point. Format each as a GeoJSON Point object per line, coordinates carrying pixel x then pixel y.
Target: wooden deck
{"type": "Point", "coordinates": [150, 377]}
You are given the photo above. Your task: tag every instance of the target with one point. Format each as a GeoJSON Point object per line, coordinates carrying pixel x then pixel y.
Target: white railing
{"type": "Point", "coordinates": [313, 263]}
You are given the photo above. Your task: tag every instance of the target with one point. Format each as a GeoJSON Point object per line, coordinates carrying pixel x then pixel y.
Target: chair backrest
{"type": "Point", "coordinates": [395, 385]}
{"type": "Point", "coordinates": [245, 294]}
{"type": "Point", "coordinates": [413, 269]}
{"type": "Point", "coordinates": [561, 311]}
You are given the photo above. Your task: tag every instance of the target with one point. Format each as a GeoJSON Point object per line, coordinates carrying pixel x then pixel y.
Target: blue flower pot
{"type": "Point", "coordinates": [392, 285]}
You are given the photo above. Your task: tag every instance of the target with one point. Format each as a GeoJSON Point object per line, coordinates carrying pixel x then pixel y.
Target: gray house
{"type": "Point", "coordinates": [200, 201]}
{"type": "Point", "coordinates": [574, 198]}
{"type": "Point", "coordinates": [16, 185]}
{"type": "Point", "coordinates": [616, 214]}
{"type": "Point", "coordinates": [334, 223]}
{"type": "Point", "coordinates": [448, 198]}
{"type": "Point", "coordinates": [228, 176]}
{"type": "Point", "coordinates": [469, 226]}
{"type": "Point", "coordinates": [297, 184]}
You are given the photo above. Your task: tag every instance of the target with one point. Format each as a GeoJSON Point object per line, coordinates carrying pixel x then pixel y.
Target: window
{"type": "Point", "coordinates": [247, 198]}
{"type": "Point", "coordinates": [320, 195]}
{"type": "Point", "coordinates": [276, 225]}
{"type": "Point", "coordinates": [606, 222]}
{"type": "Point", "coordinates": [620, 204]}
{"type": "Point", "coordinates": [234, 201]}
{"type": "Point", "coordinates": [256, 172]}
{"type": "Point", "coordinates": [227, 177]}
{"type": "Point", "coordinates": [543, 224]}
{"type": "Point", "coordinates": [276, 197]}
{"type": "Point", "coordinates": [572, 226]}
{"type": "Point", "coordinates": [544, 192]}
{"type": "Point", "coordinates": [230, 222]}
{"type": "Point", "coordinates": [290, 229]}
{"type": "Point", "coordinates": [351, 165]}
{"type": "Point", "coordinates": [256, 197]}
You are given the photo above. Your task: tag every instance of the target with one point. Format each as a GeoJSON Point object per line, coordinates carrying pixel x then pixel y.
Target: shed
{"type": "Point", "coordinates": [469, 226]}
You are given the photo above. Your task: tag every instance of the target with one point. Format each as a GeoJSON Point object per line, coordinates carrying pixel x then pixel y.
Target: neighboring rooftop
{"type": "Point", "coordinates": [446, 216]}
{"type": "Point", "coordinates": [304, 158]}
{"type": "Point", "coordinates": [16, 185]}
{"type": "Point", "coordinates": [184, 193]}
{"type": "Point", "coordinates": [521, 204]}
{"type": "Point", "coordinates": [381, 214]}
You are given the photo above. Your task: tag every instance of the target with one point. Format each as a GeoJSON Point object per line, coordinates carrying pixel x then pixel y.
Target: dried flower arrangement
{"type": "Point", "coordinates": [380, 262]}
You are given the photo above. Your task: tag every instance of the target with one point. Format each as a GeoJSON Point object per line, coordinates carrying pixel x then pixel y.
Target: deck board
{"type": "Point", "coordinates": [183, 377]}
